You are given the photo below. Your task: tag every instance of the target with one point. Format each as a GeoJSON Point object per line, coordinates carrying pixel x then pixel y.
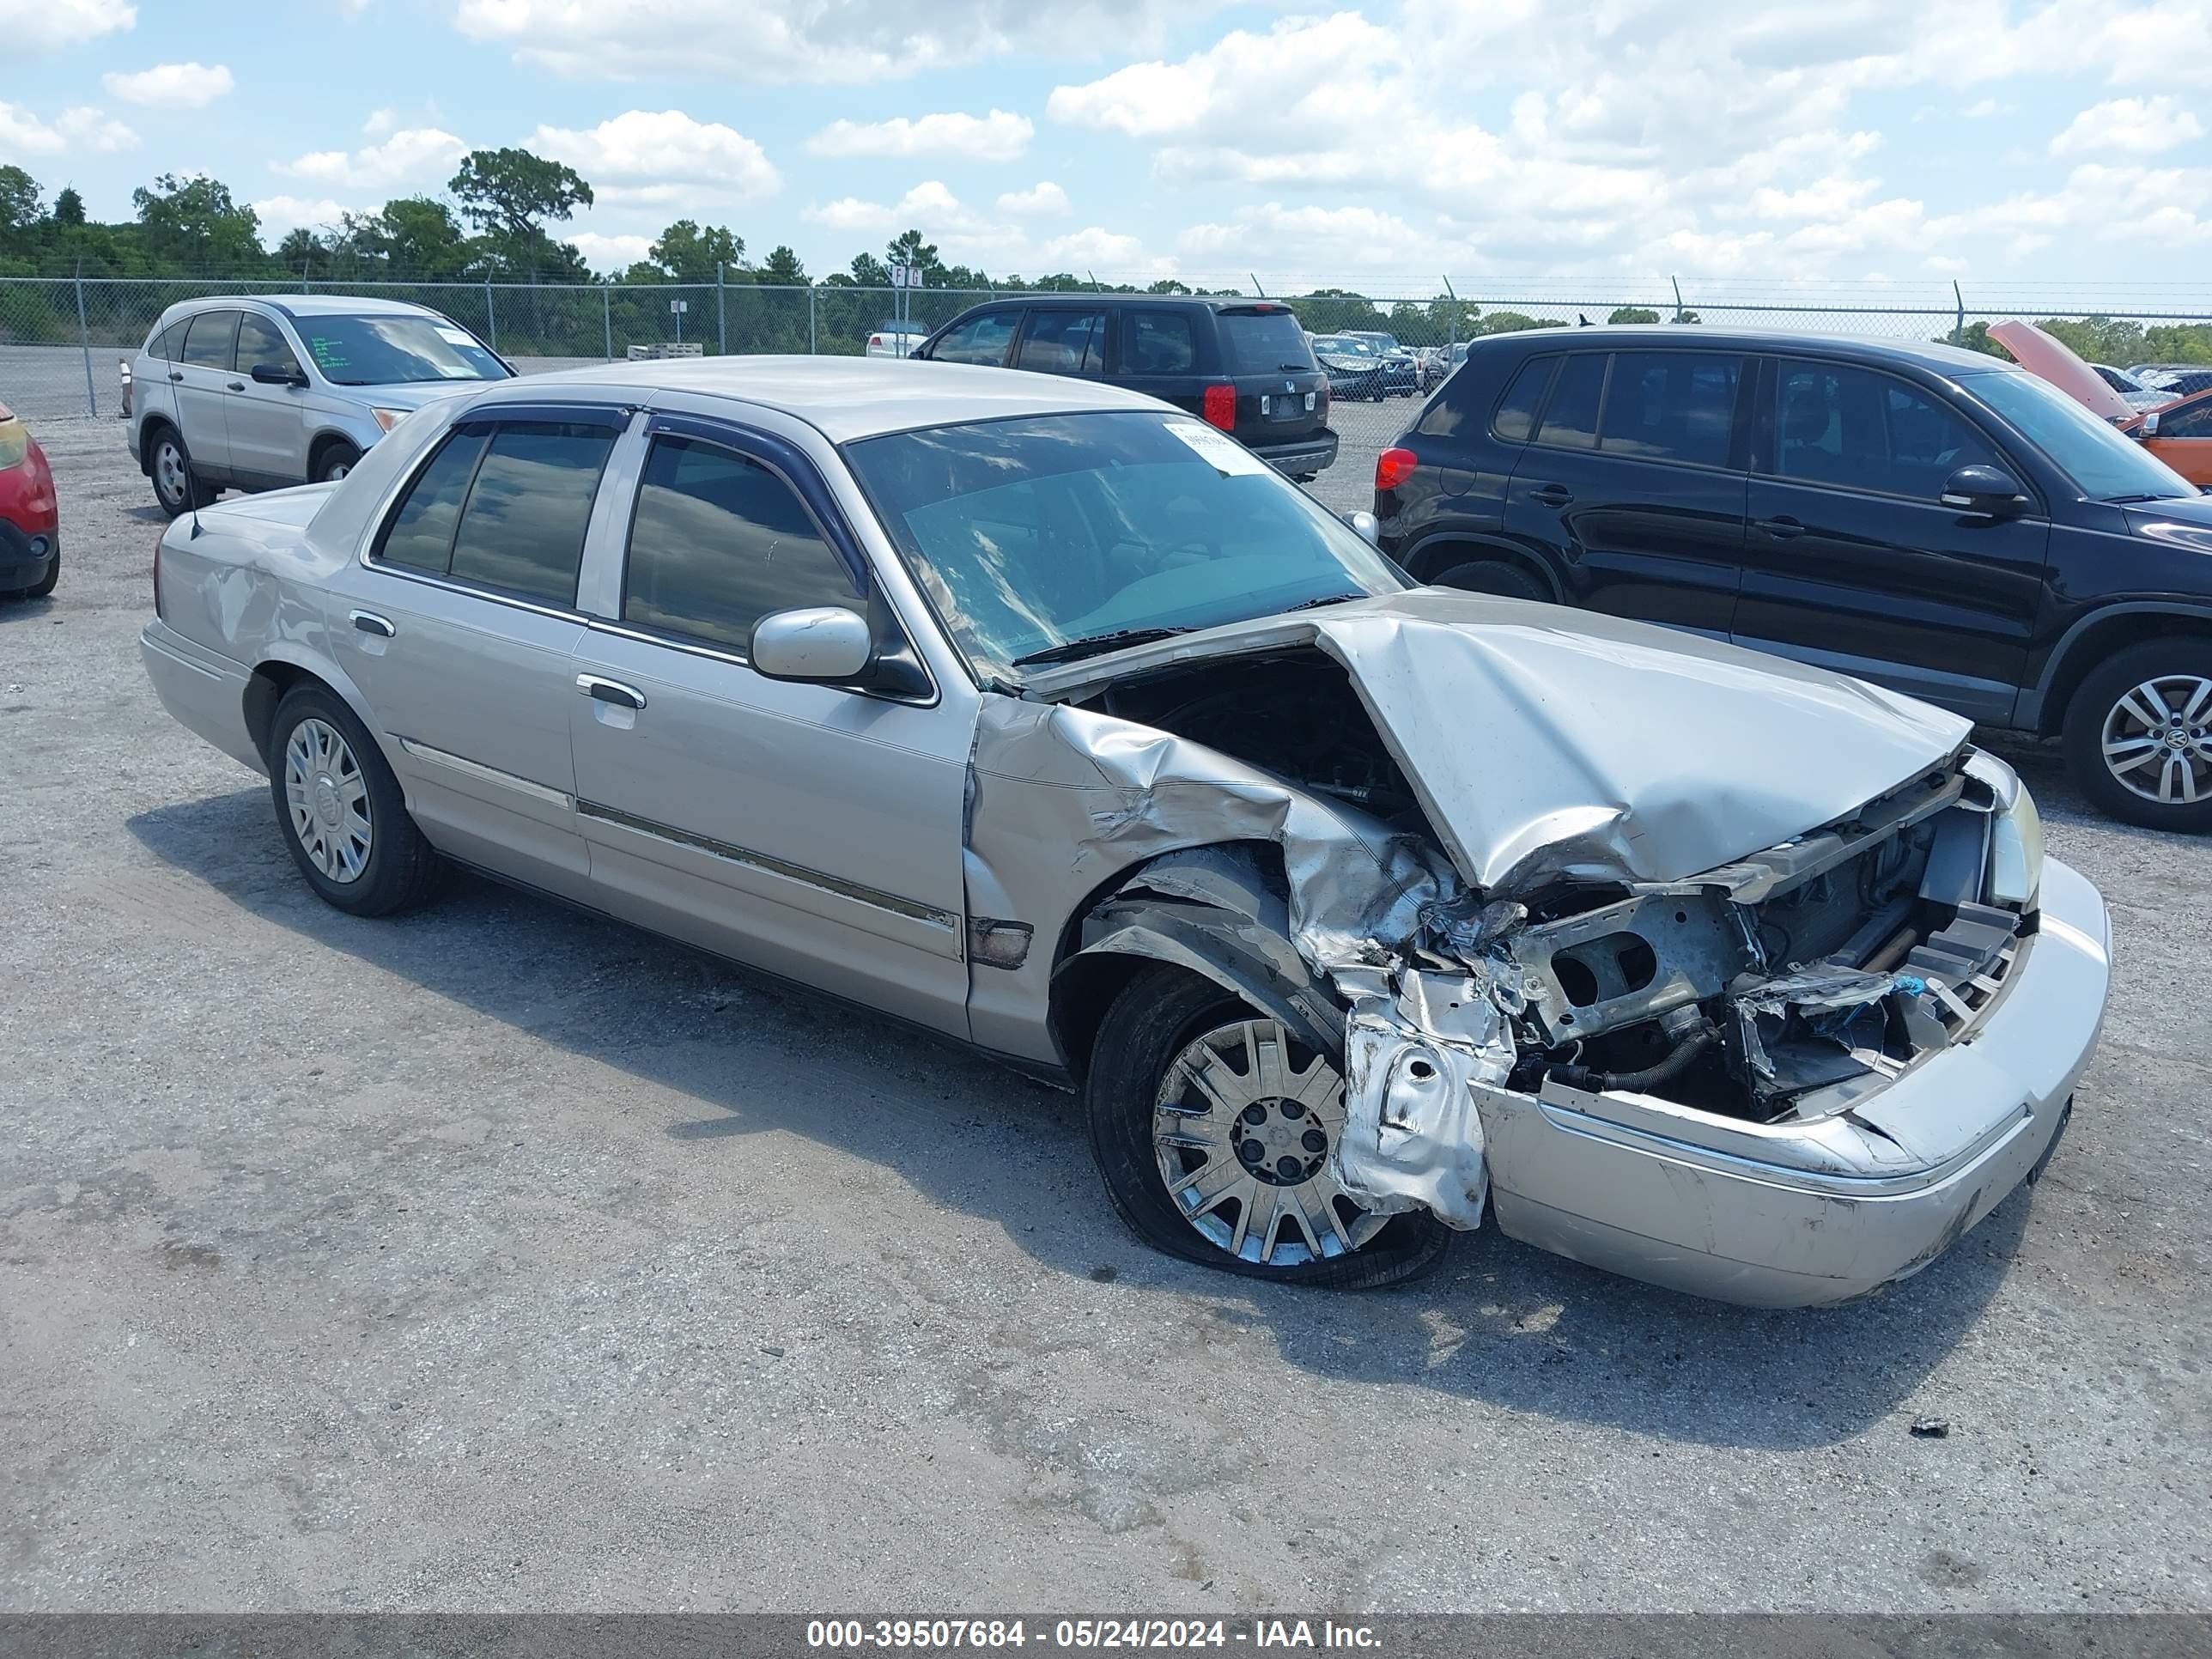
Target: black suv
{"type": "Point", "coordinates": [1937, 521]}
{"type": "Point", "coordinates": [1242, 364]}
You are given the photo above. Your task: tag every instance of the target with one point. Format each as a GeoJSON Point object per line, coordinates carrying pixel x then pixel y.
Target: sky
{"type": "Point", "coordinates": [1737, 145]}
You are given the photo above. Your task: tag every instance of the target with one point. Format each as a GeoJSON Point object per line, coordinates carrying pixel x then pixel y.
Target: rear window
{"type": "Point", "coordinates": [1263, 341]}
{"type": "Point", "coordinates": [1516, 415]}
{"type": "Point", "coordinates": [1671, 406]}
{"type": "Point", "coordinates": [1158, 342]}
{"type": "Point", "coordinates": [505, 508]}
{"type": "Point", "coordinates": [1571, 420]}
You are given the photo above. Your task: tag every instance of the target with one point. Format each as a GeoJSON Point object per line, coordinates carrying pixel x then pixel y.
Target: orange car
{"type": "Point", "coordinates": [2180, 434]}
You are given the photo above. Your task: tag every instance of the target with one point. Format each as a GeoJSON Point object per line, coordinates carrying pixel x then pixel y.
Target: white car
{"type": "Point", "coordinates": [895, 339]}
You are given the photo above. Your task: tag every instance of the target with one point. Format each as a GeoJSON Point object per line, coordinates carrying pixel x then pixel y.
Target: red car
{"type": "Point", "coordinates": [30, 520]}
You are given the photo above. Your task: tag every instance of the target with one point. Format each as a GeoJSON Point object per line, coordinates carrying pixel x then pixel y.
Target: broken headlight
{"type": "Point", "coordinates": [2015, 866]}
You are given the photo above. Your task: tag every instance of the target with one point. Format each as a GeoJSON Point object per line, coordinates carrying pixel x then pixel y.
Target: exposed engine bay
{"type": "Point", "coordinates": [1786, 985]}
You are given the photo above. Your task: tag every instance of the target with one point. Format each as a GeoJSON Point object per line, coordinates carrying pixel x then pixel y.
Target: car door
{"type": "Point", "coordinates": [2184, 439]}
{"type": "Point", "coordinates": [1633, 486]}
{"type": "Point", "coordinates": [1064, 340]}
{"type": "Point", "coordinates": [813, 831]}
{"type": "Point", "coordinates": [459, 628]}
{"type": "Point", "coordinates": [267, 424]}
{"type": "Point", "coordinates": [202, 378]}
{"type": "Point", "coordinates": [987, 337]}
{"type": "Point", "coordinates": [1853, 561]}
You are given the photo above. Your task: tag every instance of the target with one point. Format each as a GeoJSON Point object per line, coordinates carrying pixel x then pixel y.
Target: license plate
{"type": "Point", "coordinates": [1285, 406]}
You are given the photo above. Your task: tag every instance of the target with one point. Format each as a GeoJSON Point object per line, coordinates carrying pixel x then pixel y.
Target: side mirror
{"type": "Point", "coordinates": [2149, 426]}
{"type": "Point", "coordinates": [276, 375]}
{"type": "Point", "coordinates": [1364, 526]}
{"type": "Point", "coordinates": [824, 643]}
{"type": "Point", "coordinates": [1989, 491]}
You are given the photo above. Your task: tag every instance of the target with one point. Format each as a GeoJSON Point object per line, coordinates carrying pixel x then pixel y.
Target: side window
{"type": "Point", "coordinates": [208, 339]}
{"type": "Point", "coordinates": [260, 342]}
{"type": "Point", "coordinates": [1157, 342]}
{"type": "Point", "coordinates": [1835, 424]}
{"type": "Point", "coordinates": [718, 542]}
{"type": "Point", "coordinates": [420, 534]}
{"type": "Point", "coordinates": [1671, 405]}
{"type": "Point", "coordinates": [1064, 341]}
{"type": "Point", "coordinates": [1517, 414]}
{"type": "Point", "coordinates": [169, 344]}
{"type": "Point", "coordinates": [2193, 422]}
{"type": "Point", "coordinates": [984, 339]}
{"type": "Point", "coordinates": [1570, 418]}
{"type": "Point", "coordinates": [523, 526]}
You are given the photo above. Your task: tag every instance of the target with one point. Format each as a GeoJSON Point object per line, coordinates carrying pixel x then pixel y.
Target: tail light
{"type": "Point", "coordinates": [875, 339]}
{"type": "Point", "coordinates": [1394, 466]}
{"type": "Point", "coordinates": [1220, 407]}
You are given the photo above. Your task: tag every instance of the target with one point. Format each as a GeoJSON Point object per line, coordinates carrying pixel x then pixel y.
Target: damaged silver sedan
{"type": "Point", "coordinates": [1036, 714]}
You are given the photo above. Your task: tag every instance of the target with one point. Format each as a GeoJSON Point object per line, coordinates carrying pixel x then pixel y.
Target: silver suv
{"type": "Point", "coordinates": [256, 393]}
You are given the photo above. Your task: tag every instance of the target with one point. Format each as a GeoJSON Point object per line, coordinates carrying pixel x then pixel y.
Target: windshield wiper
{"type": "Point", "coordinates": [2125, 500]}
{"type": "Point", "coordinates": [1097, 645]}
{"type": "Point", "coordinates": [1328, 599]}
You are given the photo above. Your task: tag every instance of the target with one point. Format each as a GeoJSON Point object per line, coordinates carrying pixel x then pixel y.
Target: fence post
{"type": "Point", "coordinates": [491, 318]}
{"type": "Point", "coordinates": [810, 347]}
{"type": "Point", "coordinates": [1677, 282]}
{"type": "Point", "coordinates": [84, 335]}
{"type": "Point", "coordinates": [607, 320]}
{"type": "Point", "coordinates": [721, 315]}
{"type": "Point", "coordinates": [1958, 327]}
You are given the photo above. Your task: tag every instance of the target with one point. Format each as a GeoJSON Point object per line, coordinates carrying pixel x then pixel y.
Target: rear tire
{"type": "Point", "coordinates": [2140, 728]}
{"type": "Point", "coordinates": [169, 463]}
{"type": "Point", "coordinates": [344, 818]}
{"type": "Point", "coordinates": [334, 461]}
{"type": "Point", "coordinates": [1159, 1016]}
{"type": "Point", "coordinates": [1507, 582]}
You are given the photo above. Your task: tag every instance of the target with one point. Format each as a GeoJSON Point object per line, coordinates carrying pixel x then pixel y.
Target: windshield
{"type": "Point", "coordinates": [1263, 341]}
{"type": "Point", "coordinates": [2104, 465]}
{"type": "Point", "coordinates": [1029, 534]}
{"type": "Point", "coordinates": [1381, 343]}
{"type": "Point", "coordinates": [396, 350]}
{"type": "Point", "coordinates": [1343, 346]}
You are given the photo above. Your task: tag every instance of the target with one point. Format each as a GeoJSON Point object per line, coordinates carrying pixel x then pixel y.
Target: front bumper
{"type": "Point", "coordinates": [26, 556]}
{"type": "Point", "coordinates": [1799, 1214]}
{"type": "Point", "coordinates": [1316, 454]}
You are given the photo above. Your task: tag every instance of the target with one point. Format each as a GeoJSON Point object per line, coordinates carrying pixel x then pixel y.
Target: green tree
{"type": "Point", "coordinates": [510, 196]}
{"type": "Point", "coordinates": [1975, 338]}
{"type": "Point", "coordinates": [781, 269]}
{"type": "Point", "coordinates": [19, 204]}
{"type": "Point", "coordinates": [907, 248]}
{"type": "Point", "coordinates": [417, 237]}
{"type": "Point", "coordinates": [69, 206]}
{"type": "Point", "coordinates": [686, 253]}
{"type": "Point", "coordinates": [1633, 315]}
{"type": "Point", "coordinates": [1512, 322]}
{"type": "Point", "coordinates": [300, 250]}
{"type": "Point", "coordinates": [194, 222]}
{"type": "Point", "coordinates": [1167, 285]}
{"type": "Point", "coordinates": [867, 272]}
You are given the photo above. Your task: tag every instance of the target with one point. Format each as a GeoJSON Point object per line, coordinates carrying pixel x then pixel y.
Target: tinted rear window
{"type": "Point", "coordinates": [1671, 405]}
{"type": "Point", "coordinates": [1516, 415]}
{"type": "Point", "coordinates": [523, 529]}
{"type": "Point", "coordinates": [1263, 341]}
{"type": "Point", "coordinates": [1570, 418]}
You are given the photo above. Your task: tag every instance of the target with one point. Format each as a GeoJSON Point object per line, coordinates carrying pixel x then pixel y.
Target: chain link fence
{"type": "Point", "coordinates": [61, 338]}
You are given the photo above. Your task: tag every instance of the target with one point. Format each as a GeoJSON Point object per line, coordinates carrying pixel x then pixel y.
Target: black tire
{"type": "Point", "coordinates": [334, 461]}
{"type": "Point", "coordinates": [2098, 699]}
{"type": "Point", "coordinates": [401, 869]}
{"type": "Point", "coordinates": [192, 493]}
{"type": "Point", "coordinates": [1508, 581]}
{"type": "Point", "coordinates": [1158, 1013]}
{"type": "Point", "coordinates": [44, 586]}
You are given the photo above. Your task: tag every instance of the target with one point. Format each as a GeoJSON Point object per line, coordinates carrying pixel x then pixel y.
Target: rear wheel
{"type": "Point", "coordinates": [1212, 1126]}
{"type": "Point", "coordinates": [171, 464]}
{"type": "Point", "coordinates": [2138, 735]}
{"type": "Point", "coordinates": [344, 818]}
{"type": "Point", "coordinates": [1510, 581]}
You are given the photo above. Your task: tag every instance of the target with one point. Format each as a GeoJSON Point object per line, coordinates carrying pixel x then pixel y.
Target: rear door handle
{"type": "Point", "coordinates": [1551, 495]}
{"type": "Point", "coordinates": [1782, 528]}
{"type": "Point", "coordinates": [613, 691]}
{"type": "Point", "coordinates": [369, 622]}
{"type": "Point", "coordinates": [176, 375]}
{"type": "Point", "coordinates": [235, 386]}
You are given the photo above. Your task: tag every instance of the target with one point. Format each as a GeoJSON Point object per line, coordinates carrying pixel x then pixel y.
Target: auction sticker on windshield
{"type": "Point", "coordinates": [453, 335]}
{"type": "Point", "coordinates": [1217, 448]}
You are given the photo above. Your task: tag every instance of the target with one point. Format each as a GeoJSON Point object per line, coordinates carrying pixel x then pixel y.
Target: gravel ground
{"type": "Point", "coordinates": [503, 1257]}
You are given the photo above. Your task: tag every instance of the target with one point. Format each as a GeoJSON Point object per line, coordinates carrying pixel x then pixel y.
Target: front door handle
{"type": "Point", "coordinates": [233, 386]}
{"type": "Point", "coordinates": [1551, 495]}
{"type": "Point", "coordinates": [613, 691]}
{"type": "Point", "coordinates": [1782, 528]}
{"type": "Point", "coordinates": [369, 622]}
{"type": "Point", "coordinates": [176, 375]}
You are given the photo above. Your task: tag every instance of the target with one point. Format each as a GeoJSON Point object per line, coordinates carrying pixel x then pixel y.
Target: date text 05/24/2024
{"type": "Point", "coordinates": [927, 1634]}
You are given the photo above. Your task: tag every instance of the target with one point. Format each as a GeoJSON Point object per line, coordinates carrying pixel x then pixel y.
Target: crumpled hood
{"type": "Point", "coordinates": [1544, 742]}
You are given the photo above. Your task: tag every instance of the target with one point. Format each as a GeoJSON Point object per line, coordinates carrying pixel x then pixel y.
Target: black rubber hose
{"type": "Point", "coordinates": [1678, 1060]}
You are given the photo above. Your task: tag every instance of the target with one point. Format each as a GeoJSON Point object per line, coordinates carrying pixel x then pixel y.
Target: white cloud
{"type": "Point", "coordinates": [836, 41]}
{"type": "Point", "coordinates": [1094, 248]}
{"type": "Point", "coordinates": [63, 22]}
{"type": "Point", "coordinates": [610, 252]}
{"type": "Point", "coordinates": [74, 132]}
{"type": "Point", "coordinates": [279, 214]}
{"type": "Point", "coordinates": [171, 86]}
{"type": "Point", "coordinates": [998, 137]}
{"type": "Point", "coordinates": [1043, 197]}
{"type": "Point", "coordinates": [929, 206]}
{"type": "Point", "coordinates": [2131, 126]}
{"type": "Point", "coordinates": [422, 153]}
{"type": "Point", "coordinates": [661, 158]}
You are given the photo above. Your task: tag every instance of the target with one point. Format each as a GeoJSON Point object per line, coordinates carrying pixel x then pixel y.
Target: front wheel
{"type": "Point", "coordinates": [335, 462]}
{"type": "Point", "coordinates": [1212, 1126]}
{"type": "Point", "coordinates": [344, 818]}
{"type": "Point", "coordinates": [2138, 735]}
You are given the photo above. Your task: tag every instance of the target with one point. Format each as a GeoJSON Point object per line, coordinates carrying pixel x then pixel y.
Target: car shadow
{"type": "Point", "coordinates": [1498, 1323]}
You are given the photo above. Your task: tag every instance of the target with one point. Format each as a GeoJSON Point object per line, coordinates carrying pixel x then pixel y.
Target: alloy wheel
{"type": "Point", "coordinates": [1242, 1129]}
{"type": "Point", "coordinates": [329, 800]}
{"type": "Point", "coordinates": [170, 475]}
{"type": "Point", "coordinates": [2158, 740]}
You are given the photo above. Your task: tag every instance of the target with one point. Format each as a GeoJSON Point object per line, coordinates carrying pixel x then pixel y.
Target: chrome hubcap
{"type": "Point", "coordinates": [169, 471]}
{"type": "Point", "coordinates": [329, 800]}
{"type": "Point", "coordinates": [1241, 1128]}
{"type": "Point", "coordinates": [2158, 740]}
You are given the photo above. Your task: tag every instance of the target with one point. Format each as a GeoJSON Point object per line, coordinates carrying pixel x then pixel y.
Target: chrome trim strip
{"type": "Point", "coordinates": [463, 588]}
{"type": "Point", "coordinates": [552, 797]}
{"type": "Point", "coordinates": [822, 880]}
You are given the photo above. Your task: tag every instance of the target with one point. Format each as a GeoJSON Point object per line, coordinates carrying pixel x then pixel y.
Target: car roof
{"type": "Point", "coordinates": [1944, 359]}
{"type": "Point", "coordinates": [307, 304]}
{"type": "Point", "coordinates": [843, 397]}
